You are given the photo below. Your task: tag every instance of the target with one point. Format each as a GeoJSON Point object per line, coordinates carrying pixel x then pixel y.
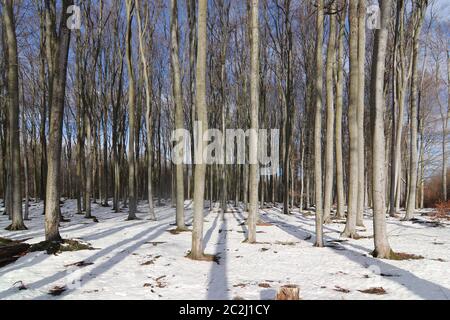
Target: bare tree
{"type": "Point", "coordinates": [13, 117]}
{"type": "Point", "coordinates": [179, 116]}
{"type": "Point", "coordinates": [318, 126]}
{"type": "Point", "coordinates": [350, 227]}
{"type": "Point", "coordinates": [202, 117]}
{"type": "Point", "coordinates": [329, 149]}
{"type": "Point", "coordinates": [58, 89]}
{"type": "Point", "coordinates": [419, 14]}
{"type": "Point", "coordinates": [339, 105]}
{"type": "Point", "coordinates": [377, 103]}
{"type": "Point", "coordinates": [131, 115]}
{"type": "Point", "coordinates": [254, 114]}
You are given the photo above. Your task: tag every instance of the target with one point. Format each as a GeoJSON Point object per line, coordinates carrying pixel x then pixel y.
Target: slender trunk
{"type": "Point", "coordinates": [179, 116]}
{"type": "Point", "coordinates": [382, 248]}
{"type": "Point", "coordinates": [202, 117]}
{"type": "Point", "coordinates": [360, 110]}
{"type": "Point", "coordinates": [329, 149]}
{"type": "Point", "coordinates": [350, 227]}
{"type": "Point", "coordinates": [254, 114]}
{"type": "Point", "coordinates": [339, 105]}
{"type": "Point", "coordinates": [131, 115]}
{"type": "Point", "coordinates": [318, 127]}
{"type": "Point", "coordinates": [412, 181]}
{"type": "Point", "coordinates": [13, 118]}
{"type": "Point", "coordinates": [58, 89]}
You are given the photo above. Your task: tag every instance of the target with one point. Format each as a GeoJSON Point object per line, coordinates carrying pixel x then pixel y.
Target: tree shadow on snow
{"type": "Point", "coordinates": [218, 279]}
{"type": "Point", "coordinates": [423, 288]}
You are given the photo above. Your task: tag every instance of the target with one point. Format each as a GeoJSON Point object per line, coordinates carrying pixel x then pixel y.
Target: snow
{"type": "Point", "coordinates": [141, 260]}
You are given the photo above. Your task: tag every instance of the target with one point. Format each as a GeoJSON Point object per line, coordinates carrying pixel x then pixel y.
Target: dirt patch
{"type": "Point", "coordinates": [57, 290]}
{"type": "Point", "coordinates": [55, 247]}
{"type": "Point", "coordinates": [286, 243]}
{"type": "Point", "coordinates": [149, 262]}
{"type": "Point", "coordinates": [405, 256]}
{"type": "Point", "coordinates": [205, 257]}
{"type": "Point", "coordinates": [340, 289]}
{"type": "Point", "coordinates": [375, 290]}
{"type": "Point", "coordinates": [178, 230]}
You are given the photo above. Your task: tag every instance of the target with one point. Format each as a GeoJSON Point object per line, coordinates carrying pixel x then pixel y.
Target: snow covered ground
{"type": "Point", "coordinates": [142, 260]}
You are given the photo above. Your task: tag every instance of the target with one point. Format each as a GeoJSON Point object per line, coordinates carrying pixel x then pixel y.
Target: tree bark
{"type": "Point", "coordinates": [132, 207]}
{"type": "Point", "coordinates": [360, 111]}
{"type": "Point", "coordinates": [254, 114]}
{"type": "Point", "coordinates": [58, 89]}
{"type": "Point", "coordinates": [13, 118]}
{"type": "Point", "coordinates": [329, 149]}
{"type": "Point", "coordinates": [339, 105]}
{"type": "Point", "coordinates": [377, 102]}
{"type": "Point", "coordinates": [413, 162]}
{"type": "Point", "coordinates": [179, 116]}
{"type": "Point", "coordinates": [202, 117]}
{"type": "Point", "coordinates": [353, 173]}
{"type": "Point", "coordinates": [318, 127]}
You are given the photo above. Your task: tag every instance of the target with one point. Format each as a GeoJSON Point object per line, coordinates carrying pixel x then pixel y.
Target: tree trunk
{"type": "Point", "coordinates": [339, 105]}
{"type": "Point", "coordinates": [329, 149]}
{"type": "Point", "coordinates": [350, 227]}
{"type": "Point", "coordinates": [382, 248]}
{"type": "Point", "coordinates": [131, 115]}
{"type": "Point", "coordinates": [179, 116]}
{"type": "Point", "coordinates": [13, 118]}
{"type": "Point", "coordinates": [254, 114]}
{"type": "Point", "coordinates": [360, 111]}
{"type": "Point", "coordinates": [318, 127]}
{"type": "Point", "coordinates": [58, 89]}
{"type": "Point", "coordinates": [202, 117]}
{"type": "Point", "coordinates": [412, 181]}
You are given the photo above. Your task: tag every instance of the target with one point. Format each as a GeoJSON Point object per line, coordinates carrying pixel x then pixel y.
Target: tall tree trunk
{"type": "Point", "coordinates": [329, 149]}
{"type": "Point", "coordinates": [148, 115]}
{"type": "Point", "coordinates": [179, 116]}
{"type": "Point", "coordinates": [395, 152]}
{"type": "Point", "coordinates": [52, 205]}
{"type": "Point", "coordinates": [413, 162]}
{"type": "Point", "coordinates": [13, 118]}
{"type": "Point", "coordinates": [131, 115]}
{"type": "Point", "coordinates": [350, 227]}
{"type": "Point", "coordinates": [339, 106]}
{"type": "Point", "coordinates": [318, 126]}
{"type": "Point", "coordinates": [377, 102]}
{"type": "Point", "coordinates": [254, 123]}
{"type": "Point", "coordinates": [360, 111]}
{"type": "Point", "coordinates": [202, 117]}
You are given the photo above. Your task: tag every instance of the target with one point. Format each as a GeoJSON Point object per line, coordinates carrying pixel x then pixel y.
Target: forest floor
{"type": "Point", "coordinates": [142, 260]}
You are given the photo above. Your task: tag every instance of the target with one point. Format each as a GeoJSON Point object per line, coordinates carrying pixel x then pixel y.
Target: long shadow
{"type": "Point", "coordinates": [424, 288]}
{"type": "Point", "coordinates": [108, 232]}
{"type": "Point", "coordinates": [158, 230]}
{"type": "Point", "coordinates": [103, 266]}
{"type": "Point", "coordinates": [23, 262]}
{"type": "Point", "coordinates": [218, 279]}
{"type": "Point", "coordinates": [208, 234]}
{"type": "Point", "coordinates": [241, 222]}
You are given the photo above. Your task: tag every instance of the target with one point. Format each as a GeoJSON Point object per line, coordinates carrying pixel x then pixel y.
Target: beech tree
{"type": "Point", "coordinates": [202, 118]}
{"type": "Point", "coordinates": [15, 169]}
{"type": "Point", "coordinates": [254, 115]}
{"type": "Point", "coordinates": [377, 104]}
{"type": "Point", "coordinates": [58, 91]}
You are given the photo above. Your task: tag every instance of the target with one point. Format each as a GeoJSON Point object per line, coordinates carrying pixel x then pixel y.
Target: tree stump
{"type": "Point", "coordinates": [288, 292]}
